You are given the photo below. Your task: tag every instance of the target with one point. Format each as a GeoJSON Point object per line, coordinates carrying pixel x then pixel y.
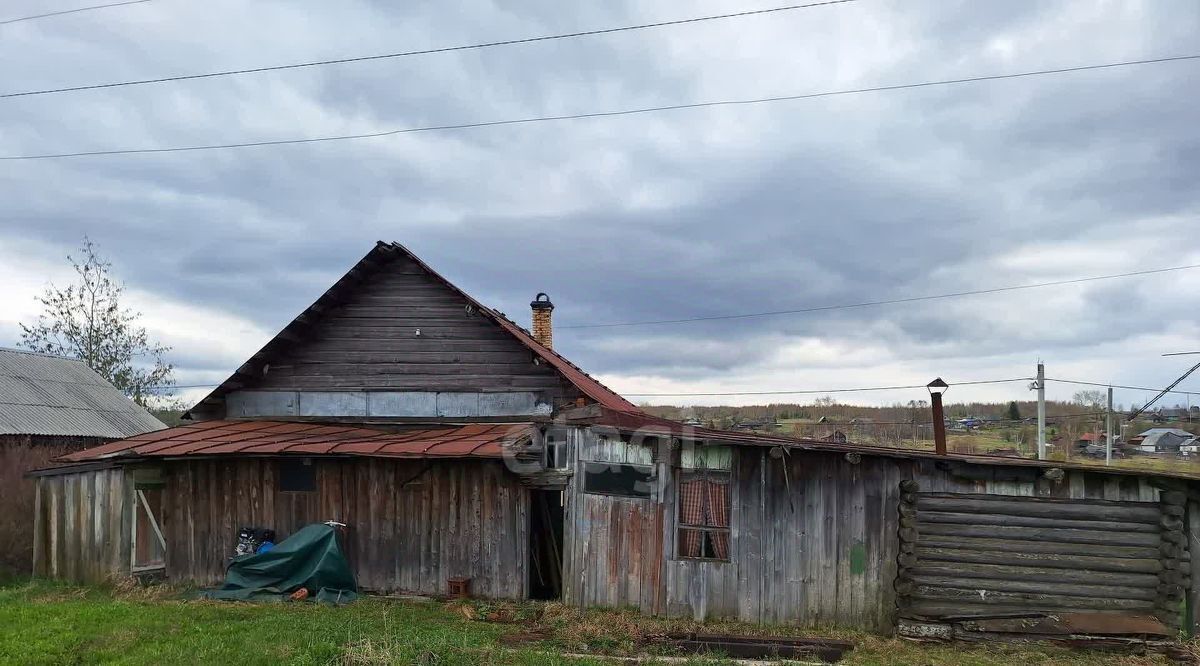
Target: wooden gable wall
{"type": "Point", "coordinates": [368, 341]}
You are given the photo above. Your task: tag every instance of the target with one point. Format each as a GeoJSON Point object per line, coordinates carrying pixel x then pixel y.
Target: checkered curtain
{"type": "Point", "coordinates": [691, 512]}
{"type": "Point", "coordinates": [718, 516]}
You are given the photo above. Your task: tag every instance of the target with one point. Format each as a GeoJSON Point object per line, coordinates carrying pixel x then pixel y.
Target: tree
{"type": "Point", "coordinates": [86, 321]}
{"type": "Point", "coordinates": [1014, 411]}
{"type": "Point", "coordinates": [1092, 399]}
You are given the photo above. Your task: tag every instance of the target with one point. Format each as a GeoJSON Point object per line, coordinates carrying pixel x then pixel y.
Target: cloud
{"type": "Point", "coordinates": [657, 216]}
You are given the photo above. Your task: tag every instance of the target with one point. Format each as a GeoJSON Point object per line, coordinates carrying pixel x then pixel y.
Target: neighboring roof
{"type": "Point", "coordinates": [1166, 438]}
{"type": "Point", "coordinates": [52, 395]}
{"type": "Point", "coordinates": [646, 424]}
{"type": "Point", "coordinates": [1153, 432]}
{"type": "Point", "coordinates": [585, 383]}
{"type": "Point", "coordinates": [1091, 437]}
{"type": "Point", "coordinates": [220, 437]}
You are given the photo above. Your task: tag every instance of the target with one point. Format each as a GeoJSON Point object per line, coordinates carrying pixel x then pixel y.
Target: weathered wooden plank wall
{"type": "Point", "coordinates": [81, 526]}
{"type": "Point", "coordinates": [20, 454]}
{"type": "Point", "coordinates": [412, 524]}
{"type": "Point", "coordinates": [612, 545]}
{"type": "Point", "coordinates": [817, 546]}
{"type": "Point", "coordinates": [370, 341]}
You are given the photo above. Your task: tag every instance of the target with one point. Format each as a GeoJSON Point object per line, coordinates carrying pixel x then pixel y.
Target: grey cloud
{"type": "Point", "coordinates": [744, 210]}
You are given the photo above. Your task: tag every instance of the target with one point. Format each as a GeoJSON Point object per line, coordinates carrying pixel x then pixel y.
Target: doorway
{"type": "Point", "coordinates": [545, 544]}
{"type": "Point", "coordinates": [148, 546]}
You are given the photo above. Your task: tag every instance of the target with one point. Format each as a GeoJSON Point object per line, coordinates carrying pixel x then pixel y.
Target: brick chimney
{"type": "Point", "coordinates": [543, 330]}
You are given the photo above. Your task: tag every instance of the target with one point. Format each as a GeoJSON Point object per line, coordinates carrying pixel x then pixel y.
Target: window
{"type": "Point", "coordinates": [556, 449]}
{"type": "Point", "coordinates": [604, 478]}
{"type": "Point", "coordinates": [297, 476]}
{"type": "Point", "coordinates": [617, 466]}
{"type": "Point", "coordinates": [704, 503]}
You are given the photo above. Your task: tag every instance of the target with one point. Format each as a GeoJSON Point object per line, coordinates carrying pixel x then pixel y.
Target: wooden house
{"type": "Point", "coordinates": [458, 446]}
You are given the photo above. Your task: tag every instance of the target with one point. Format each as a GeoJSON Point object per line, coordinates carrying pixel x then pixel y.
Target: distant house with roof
{"type": "Point", "coordinates": [50, 406]}
{"type": "Point", "coordinates": [1175, 414]}
{"type": "Point", "coordinates": [1162, 440]}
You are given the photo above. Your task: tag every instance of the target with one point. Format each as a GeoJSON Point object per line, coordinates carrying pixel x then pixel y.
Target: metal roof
{"type": "Point", "coordinates": [52, 395]}
{"type": "Point", "coordinates": [650, 426]}
{"type": "Point", "coordinates": [242, 438]}
{"type": "Point", "coordinates": [1154, 432]}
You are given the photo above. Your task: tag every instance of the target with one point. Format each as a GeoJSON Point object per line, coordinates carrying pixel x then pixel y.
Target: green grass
{"type": "Point", "coordinates": [46, 623]}
{"type": "Point", "coordinates": [49, 624]}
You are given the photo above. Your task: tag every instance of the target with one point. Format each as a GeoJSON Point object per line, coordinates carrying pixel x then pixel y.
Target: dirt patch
{"type": "Point", "coordinates": [525, 637]}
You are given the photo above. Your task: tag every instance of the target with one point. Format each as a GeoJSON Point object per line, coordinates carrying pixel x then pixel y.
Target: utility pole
{"type": "Point", "coordinates": [1108, 429]}
{"type": "Point", "coordinates": [1041, 423]}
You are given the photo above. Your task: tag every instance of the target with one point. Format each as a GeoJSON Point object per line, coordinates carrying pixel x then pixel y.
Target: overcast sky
{"type": "Point", "coordinates": [657, 216]}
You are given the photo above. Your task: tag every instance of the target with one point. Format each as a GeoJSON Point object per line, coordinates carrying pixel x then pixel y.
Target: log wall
{"type": "Point", "coordinates": [966, 554]}
{"type": "Point", "coordinates": [412, 524]}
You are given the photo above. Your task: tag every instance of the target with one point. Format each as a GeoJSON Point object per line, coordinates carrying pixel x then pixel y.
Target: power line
{"type": "Point", "coordinates": [1119, 386]}
{"type": "Point", "coordinates": [911, 299]}
{"type": "Point", "coordinates": [73, 11]}
{"type": "Point", "coordinates": [600, 114]}
{"type": "Point", "coordinates": [402, 54]}
{"type": "Point", "coordinates": [816, 391]}
{"type": "Point", "coordinates": [866, 422]}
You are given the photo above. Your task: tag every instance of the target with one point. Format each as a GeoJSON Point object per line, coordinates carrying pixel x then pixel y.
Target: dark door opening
{"type": "Point", "coordinates": [545, 544]}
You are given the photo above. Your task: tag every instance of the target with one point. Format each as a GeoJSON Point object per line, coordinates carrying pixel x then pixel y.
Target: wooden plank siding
{"type": "Point", "coordinates": [818, 546]}
{"type": "Point", "coordinates": [412, 524]}
{"type": "Point", "coordinates": [20, 454]}
{"type": "Point", "coordinates": [81, 526]}
{"type": "Point", "coordinates": [369, 342]}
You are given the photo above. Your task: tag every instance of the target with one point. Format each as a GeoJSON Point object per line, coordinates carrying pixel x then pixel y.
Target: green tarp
{"type": "Point", "coordinates": [309, 558]}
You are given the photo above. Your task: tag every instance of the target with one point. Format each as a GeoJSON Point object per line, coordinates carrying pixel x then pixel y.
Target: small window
{"type": "Point", "coordinates": [556, 449]}
{"type": "Point", "coordinates": [606, 478]}
{"type": "Point", "coordinates": [704, 503]}
{"type": "Point", "coordinates": [297, 476]}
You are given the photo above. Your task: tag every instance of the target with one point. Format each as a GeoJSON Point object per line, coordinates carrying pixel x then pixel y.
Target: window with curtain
{"type": "Point", "coordinates": [704, 503]}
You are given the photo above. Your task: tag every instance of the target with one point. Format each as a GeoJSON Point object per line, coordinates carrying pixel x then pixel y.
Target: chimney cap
{"type": "Point", "coordinates": [541, 302]}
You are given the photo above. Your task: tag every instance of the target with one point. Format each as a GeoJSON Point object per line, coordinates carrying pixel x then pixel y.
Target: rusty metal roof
{"type": "Point", "coordinates": [646, 424]}
{"type": "Point", "coordinates": [585, 383]}
{"type": "Point", "coordinates": [42, 394]}
{"type": "Point", "coordinates": [224, 438]}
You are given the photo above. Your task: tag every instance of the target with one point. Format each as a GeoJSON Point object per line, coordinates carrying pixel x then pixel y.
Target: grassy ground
{"type": "Point", "coordinates": [44, 623]}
